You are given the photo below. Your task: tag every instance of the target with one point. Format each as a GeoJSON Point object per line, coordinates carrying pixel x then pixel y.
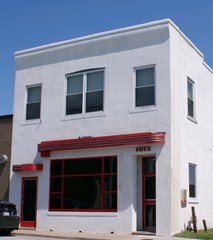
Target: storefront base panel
{"type": "Point", "coordinates": [85, 222]}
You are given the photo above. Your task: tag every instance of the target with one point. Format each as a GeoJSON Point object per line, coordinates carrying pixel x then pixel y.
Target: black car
{"type": "Point", "coordinates": [9, 219]}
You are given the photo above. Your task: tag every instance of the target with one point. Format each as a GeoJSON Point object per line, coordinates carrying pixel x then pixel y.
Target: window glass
{"type": "Point", "coordinates": [74, 104]}
{"type": "Point", "coordinates": [56, 184]}
{"type": "Point", "coordinates": [95, 81]}
{"type": "Point", "coordinates": [192, 181]}
{"type": "Point", "coordinates": [145, 77]}
{"type": "Point", "coordinates": [190, 89]}
{"type": "Point", "coordinates": [34, 94]}
{"type": "Point", "coordinates": [83, 184]}
{"type": "Point", "coordinates": [55, 201]}
{"type": "Point", "coordinates": [150, 216]}
{"type": "Point", "coordinates": [83, 192]}
{"type": "Point", "coordinates": [75, 84]}
{"type": "Point", "coordinates": [33, 105]}
{"type": "Point", "coordinates": [83, 166]}
{"type": "Point", "coordinates": [94, 101]}
{"type": "Point", "coordinates": [56, 167]}
{"type": "Point", "coordinates": [150, 191]}
{"type": "Point", "coordinates": [145, 96]}
{"type": "Point", "coordinates": [145, 87]}
{"type": "Point", "coordinates": [110, 201]}
{"type": "Point", "coordinates": [149, 165]}
{"type": "Point", "coordinates": [110, 165]}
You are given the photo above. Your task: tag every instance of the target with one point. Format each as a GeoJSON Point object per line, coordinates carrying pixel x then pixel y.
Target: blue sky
{"type": "Point", "coordinates": [30, 23]}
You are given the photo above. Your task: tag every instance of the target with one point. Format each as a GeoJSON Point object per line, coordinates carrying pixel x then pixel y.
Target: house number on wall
{"type": "Point", "coordinates": [143, 149]}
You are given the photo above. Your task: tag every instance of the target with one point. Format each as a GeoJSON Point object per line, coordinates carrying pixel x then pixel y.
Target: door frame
{"type": "Point", "coordinates": [147, 201]}
{"type": "Point", "coordinates": [30, 224]}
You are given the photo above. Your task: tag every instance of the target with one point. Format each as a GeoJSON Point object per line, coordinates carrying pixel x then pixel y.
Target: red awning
{"type": "Point", "coordinates": [27, 167]}
{"type": "Point", "coordinates": [45, 147]}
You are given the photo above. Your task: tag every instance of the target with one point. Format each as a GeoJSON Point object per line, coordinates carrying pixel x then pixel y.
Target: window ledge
{"type": "Point", "coordinates": [83, 116]}
{"type": "Point", "coordinates": [31, 122]}
{"type": "Point", "coordinates": [144, 109]}
{"type": "Point", "coordinates": [83, 214]}
{"type": "Point", "coordinates": [193, 201]}
{"type": "Point", "coordinates": [192, 119]}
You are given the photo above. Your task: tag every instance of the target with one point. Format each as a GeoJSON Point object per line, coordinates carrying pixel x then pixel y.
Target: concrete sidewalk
{"type": "Point", "coordinates": [91, 236]}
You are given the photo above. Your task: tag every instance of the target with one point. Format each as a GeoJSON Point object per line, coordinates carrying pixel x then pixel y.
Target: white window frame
{"type": "Point", "coordinates": [195, 173]}
{"type": "Point", "coordinates": [26, 103]}
{"type": "Point", "coordinates": [84, 92]}
{"type": "Point", "coordinates": [145, 107]}
{"type": "Point", "coordinates": [193, 117]}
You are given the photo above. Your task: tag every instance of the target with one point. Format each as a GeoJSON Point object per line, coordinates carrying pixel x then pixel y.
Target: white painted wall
{"type": "Point", "coordinates": [192, 142]}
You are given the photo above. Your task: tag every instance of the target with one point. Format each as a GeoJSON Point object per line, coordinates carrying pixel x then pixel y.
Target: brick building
{"type": "Point", "coordinates": [5, 149]}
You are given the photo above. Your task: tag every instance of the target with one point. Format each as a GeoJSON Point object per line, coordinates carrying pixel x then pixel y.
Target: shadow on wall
{"type": "Point", "coordinates": [4, 181]}
{"type": "Point", "coordinates": [97, 46]}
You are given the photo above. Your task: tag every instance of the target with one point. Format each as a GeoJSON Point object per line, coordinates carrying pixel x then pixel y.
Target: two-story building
{"type": "Point", "coordinates": [113, 132]}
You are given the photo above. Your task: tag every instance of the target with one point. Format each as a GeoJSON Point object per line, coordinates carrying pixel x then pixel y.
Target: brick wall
{"type": "Point", "coordinates": [5, 148]}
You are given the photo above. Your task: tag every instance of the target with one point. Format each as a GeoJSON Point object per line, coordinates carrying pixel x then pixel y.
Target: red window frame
{"type": "Point", "coordinates": [103, 174]}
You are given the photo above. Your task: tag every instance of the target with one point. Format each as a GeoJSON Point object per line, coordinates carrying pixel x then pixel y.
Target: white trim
{"type": "Point", "coordinates": [83, 214]}
{"type": "Point", "coordinates": [94, 36]}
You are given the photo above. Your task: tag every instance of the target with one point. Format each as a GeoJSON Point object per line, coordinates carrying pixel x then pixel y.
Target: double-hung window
{"type": "Point", "coordinates": [145, 87]}
{"type": "Point", "coordinates": [33, 105]}
{"type": "Point", "coordinates": [190, 97]}
{"type": "Point", "coordinates": [88, 184]}
{"type": "Point", "coordinates": [192, 181]}
{"type": "Point", "coordinates": [85, 92]}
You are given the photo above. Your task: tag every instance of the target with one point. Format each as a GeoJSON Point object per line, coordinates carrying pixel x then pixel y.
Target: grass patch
{"type": "Point", "coordinates": [201, 234]}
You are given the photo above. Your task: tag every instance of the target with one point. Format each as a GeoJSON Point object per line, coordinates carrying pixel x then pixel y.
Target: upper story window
{"type": "Point", "coordinates": [190, 95]}
{"type": "Point", "coordinates": [85, 92]}
{"type": "Point", "coordinates": [145, 87]}
{"type": "Point", "coordinates": [33, 105]}
{"type": "Point", "coordinates": [192, 181]}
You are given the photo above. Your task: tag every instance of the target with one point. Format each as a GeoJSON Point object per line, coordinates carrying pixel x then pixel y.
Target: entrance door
{"type": "Point", "coordinates": [149, 193]}
{"type": "Point", "coordinates": [29, 202]}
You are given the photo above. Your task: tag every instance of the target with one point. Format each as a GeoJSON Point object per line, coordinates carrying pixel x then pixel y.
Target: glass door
{"type": "Point", "coordinates": [149, 193]}
{"type": "Point", "coordinates": [29, 202]}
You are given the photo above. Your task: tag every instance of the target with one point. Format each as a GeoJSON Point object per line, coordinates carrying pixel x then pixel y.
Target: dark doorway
{"type": "Point", "coordinates": [29, 202]}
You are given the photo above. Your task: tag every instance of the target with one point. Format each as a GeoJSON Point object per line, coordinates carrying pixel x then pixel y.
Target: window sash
{"type": "Point", "coordinates": [192, 181]}
{"type": "Point", "coordinates": [85, 92]}
{"type": "Point", "coordinates": [33, 105]}
{"type": "Point", "coordinates": [145, 87]}
{"type": "Point", "coordinates": [190, 97]}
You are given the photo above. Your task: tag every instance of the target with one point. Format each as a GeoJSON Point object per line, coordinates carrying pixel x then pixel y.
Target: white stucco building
{"type": "Point", "coordinates": [113, 133]}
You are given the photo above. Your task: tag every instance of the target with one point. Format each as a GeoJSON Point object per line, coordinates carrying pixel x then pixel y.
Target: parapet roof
{"type": "Point", "coordinates": [154, 24]}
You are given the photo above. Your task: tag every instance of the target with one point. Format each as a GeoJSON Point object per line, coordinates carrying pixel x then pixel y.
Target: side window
{"type": "Point", "coordinates": [190, 96]}
{"type": "Point", "coordinates": [192, 181]}
{"type": "Point", "coordinates": [85, 92]}
{"type": "Point", "coordinates": [33, 105]}
{"type": "Point", "coordinates": [145, 87]}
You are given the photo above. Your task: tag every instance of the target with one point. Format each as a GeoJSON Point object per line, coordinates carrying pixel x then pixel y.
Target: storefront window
{"type": "Point", "coordinates": [83, 184]}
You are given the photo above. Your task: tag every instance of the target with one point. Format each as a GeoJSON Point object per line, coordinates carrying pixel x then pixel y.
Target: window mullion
{"type": "Point", "coordinates": [84, 93]}
{"type": "Point", "coordinates": [103, 197]}
{"type": "Point", "coordinates": [62, 182]}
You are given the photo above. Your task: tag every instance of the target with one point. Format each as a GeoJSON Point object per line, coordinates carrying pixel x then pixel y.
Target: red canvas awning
{"type": "Point", "coordinates": [45, 147]}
